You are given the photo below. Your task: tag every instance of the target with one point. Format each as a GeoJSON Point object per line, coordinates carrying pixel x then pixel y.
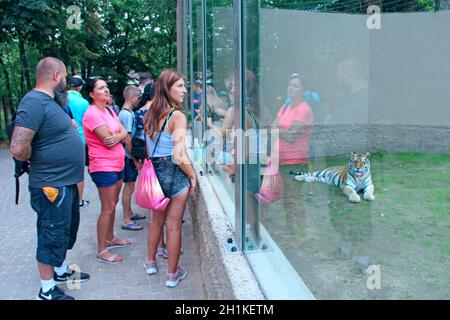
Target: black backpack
{"type": "Point", "coordinates": [138, 146]}
{"type": "Point", "coordinates": [20, 167]}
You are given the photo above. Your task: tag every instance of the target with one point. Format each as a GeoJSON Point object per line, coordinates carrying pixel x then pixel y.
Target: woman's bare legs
{"type": "Point", "coordinates": [174, 217]}
{"type": "Point", "coordinates": [161, 243]}
{"type": "Point", "coordinates": [154, 233]}
{"type": "Point", "coordinates": [109, 196]}
{"type": "Point", "coordinates": [175, 213]}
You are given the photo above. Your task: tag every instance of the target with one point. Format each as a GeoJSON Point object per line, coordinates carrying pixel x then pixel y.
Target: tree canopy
{"type": "Point", "coordinates": [111, 38]}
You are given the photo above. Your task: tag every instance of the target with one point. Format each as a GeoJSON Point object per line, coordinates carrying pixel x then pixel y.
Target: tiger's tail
{"type": "Point", "coordinates": [332, 176]}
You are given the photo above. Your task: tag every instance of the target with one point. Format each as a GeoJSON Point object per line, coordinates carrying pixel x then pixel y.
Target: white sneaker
{"type": "Point", "coordinates": [150, 267]}
{"type": "Point", "coordinates": [173, 279]}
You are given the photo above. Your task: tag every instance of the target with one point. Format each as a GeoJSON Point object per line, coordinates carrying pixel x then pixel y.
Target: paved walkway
{"type": "Point", "coordinates": [19, 277]}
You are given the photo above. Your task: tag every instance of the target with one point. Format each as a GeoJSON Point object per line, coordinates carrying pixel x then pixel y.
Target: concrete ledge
{"type": "Point", "coordinates": [226, 275]}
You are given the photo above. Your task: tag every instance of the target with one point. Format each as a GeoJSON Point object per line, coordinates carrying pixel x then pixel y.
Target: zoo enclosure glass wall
{"type": "Point", "coordinates": [308, 83]}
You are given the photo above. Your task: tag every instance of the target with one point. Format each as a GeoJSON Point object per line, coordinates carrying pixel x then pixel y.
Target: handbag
{"type": "Point", "coordinates": [272, 188]}
{"type": "Point", "coordinates": [149, 194]}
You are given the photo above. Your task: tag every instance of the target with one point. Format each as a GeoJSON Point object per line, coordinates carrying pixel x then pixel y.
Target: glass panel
{"type": "Point", "coordinates": [334, 83]}
{"type": "Point", "coordinates": [196, 76]}
{"type": "Point", "coordinates": [219, 144]}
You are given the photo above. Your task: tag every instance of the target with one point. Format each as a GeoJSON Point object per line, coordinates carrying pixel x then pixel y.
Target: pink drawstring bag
{"type": "Point", "coordinates": [272, 186]}
{"type": "Point", "coordinates": [149, 194]}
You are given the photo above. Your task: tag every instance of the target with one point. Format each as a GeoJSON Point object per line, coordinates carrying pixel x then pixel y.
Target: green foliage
{"type": "Point", "coordinates": [115, 37]}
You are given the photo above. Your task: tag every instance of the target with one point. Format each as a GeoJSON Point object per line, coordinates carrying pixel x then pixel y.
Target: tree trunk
{"type": "Point", "coordinates": [22, 83]}
{"type": "Point", "coordinates": [5, 110]}
{"type": "Point", "coordinates": [14, 80]}
{"type": "Point", "coordinates": [437, 5]}
{"type": "Point", "coordinates": [8, 82]}
{"type": "Point", "coordinates": [89, 69]}
{"type": "Point", "coordinates": [121, 72]}
{"type": "Point", "coordinates": [24, 63]}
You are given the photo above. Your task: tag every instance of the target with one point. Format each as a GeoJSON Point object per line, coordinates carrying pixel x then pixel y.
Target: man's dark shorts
{"type": "Point", "coordinates": [58, 219]}
{"type": "Point", "coordinates": [130, 172]}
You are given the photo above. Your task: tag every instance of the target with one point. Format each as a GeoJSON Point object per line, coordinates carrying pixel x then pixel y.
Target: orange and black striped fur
{"type": "Point", "coordinates": [351, 179]}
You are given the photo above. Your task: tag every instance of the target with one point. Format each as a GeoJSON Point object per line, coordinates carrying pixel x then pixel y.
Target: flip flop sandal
{"type": "Point", "coordinates": [132, 227]}
{"type": "Point", "coordinates": [137, 216]}
{"type": "Point", "coordinates": [110, 260]}
{"type": "Point", "coordinates": [120, 244]}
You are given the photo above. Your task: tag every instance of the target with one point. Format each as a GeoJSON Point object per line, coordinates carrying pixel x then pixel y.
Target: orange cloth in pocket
{"type": "Point", "coordinates": [51, 193]}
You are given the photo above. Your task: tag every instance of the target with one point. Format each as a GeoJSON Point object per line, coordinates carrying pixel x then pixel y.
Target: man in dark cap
{"type": "Point", "coordinates": [78, 106]}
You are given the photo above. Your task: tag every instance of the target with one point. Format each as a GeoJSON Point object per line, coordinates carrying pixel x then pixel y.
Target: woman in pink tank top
{"type": "Point", "coordinates": [104, 134]}
{"type": "Point", "coordinates": [295, 121]}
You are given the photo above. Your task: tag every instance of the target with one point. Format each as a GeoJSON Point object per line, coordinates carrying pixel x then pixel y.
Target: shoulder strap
{"type": "Point", "coordinates": [132, 113]}
{"type": "Point", "coordinates": [253, 118]}
{"type": "Point", "coordinates": [255, 123]}
{"type": "Point", "coordinates": [110, 111]}
{"type": "Point", "coordinates": [286, 106]}
{"type": "Point", "coordinates": [69, 112]}
{"type": "Point", "coordinates": [167, 120]}
{"type": "Point", "coordinates": [14, 116]}
{"type": "Point", "coordinates": [162, 129]}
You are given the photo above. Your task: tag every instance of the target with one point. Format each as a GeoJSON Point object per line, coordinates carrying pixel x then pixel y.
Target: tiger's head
{"type": "Point", "coordinates": [359, 164]}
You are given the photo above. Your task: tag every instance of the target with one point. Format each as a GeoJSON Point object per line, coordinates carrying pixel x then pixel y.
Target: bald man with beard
{"type": "Point", "coordinates": [44, 135]}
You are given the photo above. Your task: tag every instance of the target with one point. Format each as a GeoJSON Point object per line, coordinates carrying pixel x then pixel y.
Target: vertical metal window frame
{"type": "Point", "coordinates": [191, 63]}
{"type": "Point", "coordinates": [182, 17]}
{"type": "Point", "coordinates": [204, 77]}
{"type": "Point", "coordinates": [239, 118]}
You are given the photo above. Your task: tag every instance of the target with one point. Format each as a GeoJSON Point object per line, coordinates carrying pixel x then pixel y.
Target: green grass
{"type": "Point", "coordinates": [406, 229]}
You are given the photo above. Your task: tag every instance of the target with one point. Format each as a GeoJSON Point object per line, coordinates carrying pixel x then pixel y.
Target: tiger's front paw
{"type": "Point", "coordinates": [300, 177]}
{"type": "Point", "coordinates": [354, 198]}
{"type": "Point", "coordinates": [369, 196]}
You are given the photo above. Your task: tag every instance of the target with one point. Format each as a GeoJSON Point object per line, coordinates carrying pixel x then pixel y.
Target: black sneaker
{"type": "Point", "coordinates": [71, 276]}
{"type": "Point", "coordinates": [83, 203]}
{"type": "Point", "coordinates": [54, 293]}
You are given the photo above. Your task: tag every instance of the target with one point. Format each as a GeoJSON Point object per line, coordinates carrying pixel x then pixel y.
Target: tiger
{"type": "Point", "coordinates": [351, 179]}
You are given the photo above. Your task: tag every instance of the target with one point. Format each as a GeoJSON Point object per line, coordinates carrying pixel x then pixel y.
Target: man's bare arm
{"type": "Point", "coordinates": [21, 143]}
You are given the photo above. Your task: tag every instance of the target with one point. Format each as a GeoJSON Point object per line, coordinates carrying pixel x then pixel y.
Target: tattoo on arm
{"type": "Point", "coordinates": [21, 143]}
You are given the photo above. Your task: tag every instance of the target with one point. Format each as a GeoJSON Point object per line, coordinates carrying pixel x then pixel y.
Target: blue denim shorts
{"type": "Point", "coordinates": [106, 179]}
{"type": "Point", "coordinates": [172, 179]}
{"type": "Point", "coordinates": [57, 223]}
{"type": "Point", "coordinates": [130, 172]}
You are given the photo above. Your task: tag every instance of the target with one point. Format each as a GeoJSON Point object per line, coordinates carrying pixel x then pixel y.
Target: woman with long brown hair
{"type": "Point", "coordinates": [165, 125]}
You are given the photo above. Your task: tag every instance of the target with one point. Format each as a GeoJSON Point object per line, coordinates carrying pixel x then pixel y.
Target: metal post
{"type": "Point", "coordinates": [204, 75]}
{"type": "Point", "coordinates": [180, 35]}
{"type": "Point", "coordinates": [239, 118]}
{"type": "Point", "coordinates": [191, 65]}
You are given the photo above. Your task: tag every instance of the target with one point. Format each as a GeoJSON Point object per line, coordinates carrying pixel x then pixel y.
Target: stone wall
{"type": "Point", "coordinates": [342, 139]}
